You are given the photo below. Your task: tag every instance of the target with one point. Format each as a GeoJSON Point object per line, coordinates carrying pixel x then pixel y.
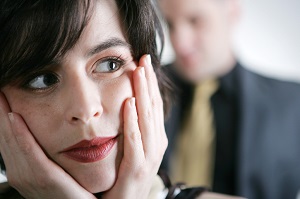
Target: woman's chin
{"type": "Point", "coordinates": [100, 185]}
{"type": "Point", "coordinates": [97, 176]}
{"type": "Point", "coordinates": [96, 182]}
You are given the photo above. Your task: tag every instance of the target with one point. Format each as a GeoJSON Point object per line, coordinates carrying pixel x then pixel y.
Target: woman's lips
{"type": "Point", "coordinates": [90, 150]}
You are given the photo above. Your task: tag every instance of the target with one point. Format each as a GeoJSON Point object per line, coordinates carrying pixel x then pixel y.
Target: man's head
{"type": "Point", "coordinates": [200, 31]}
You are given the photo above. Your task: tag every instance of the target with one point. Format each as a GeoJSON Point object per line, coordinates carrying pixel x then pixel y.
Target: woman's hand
{"type": "Point", "coordinates": [28, 169]}
{"type": "Point", "coordinates": [145, 139]}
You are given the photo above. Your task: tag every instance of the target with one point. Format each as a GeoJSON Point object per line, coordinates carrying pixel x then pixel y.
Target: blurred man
{"type": "Point", "coordinates": [231, 129]}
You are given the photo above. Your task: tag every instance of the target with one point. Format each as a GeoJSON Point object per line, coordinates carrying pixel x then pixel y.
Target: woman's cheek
{"type": "Point", "coordinates": [44, 122]}
{"type": "Point", "coordinates": [115, 92]}
{"type": "Point", "coordinates": [35, 114]}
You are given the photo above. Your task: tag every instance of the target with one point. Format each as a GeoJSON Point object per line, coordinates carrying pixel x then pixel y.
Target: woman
{"type": "Point", "coordinates": [80, 106]}
{"type": "Point", "coordinates": [81, 112]}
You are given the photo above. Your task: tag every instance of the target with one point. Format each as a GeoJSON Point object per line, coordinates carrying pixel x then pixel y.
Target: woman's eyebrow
{"type": "Point", "coordinates": [112, 42]}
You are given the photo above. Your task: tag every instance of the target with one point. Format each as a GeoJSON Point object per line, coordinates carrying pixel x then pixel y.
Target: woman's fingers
{"type": "Point", "coordinates": [151, 118]}
{"type": "Point", "coordinates": [154, 94]}
{"type": "Point", "coordinates": [6, 137]}
{"type": "Point", "coordinates": [134, 177]}
{"type": "Point", "coordinates": [24, 162]}
{"type": "Point", "coordinates": [32, 173]}
{"type": "Point", "coordinates": [28, 169]}
{"type": "Point", "coordinates": [26, 146]}
{"type": "Point", "coordinates": [133, 146]}
{"type": "Point", "coordinates": [144, 109]}
{"type": "Point", "coordinates": [150, 77]}
{"type": "Point", "coordinates": [144, 136]}
{"type": "Point", "coordinates": [15, 148]}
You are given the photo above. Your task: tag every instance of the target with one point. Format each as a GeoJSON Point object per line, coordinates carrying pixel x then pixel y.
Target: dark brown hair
{"type": "Point", "coordinates": [33, 33]}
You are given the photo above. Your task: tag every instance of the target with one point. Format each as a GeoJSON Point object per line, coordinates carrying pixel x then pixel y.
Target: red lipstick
{"type": "Point", "coordinates": [90, 150]}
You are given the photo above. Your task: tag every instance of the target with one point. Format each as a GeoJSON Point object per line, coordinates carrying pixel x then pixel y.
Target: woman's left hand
{"type": "Point", "coordinates": [145, 139]}
{"type": "Point", "coordinates": [28, 168]}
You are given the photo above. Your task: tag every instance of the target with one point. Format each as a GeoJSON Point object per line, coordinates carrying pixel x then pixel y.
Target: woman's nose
{"type": "Point", "coordinates": [84, 102]}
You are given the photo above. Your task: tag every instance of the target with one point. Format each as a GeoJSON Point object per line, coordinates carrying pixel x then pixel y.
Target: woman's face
{"type": "Point", "coordinates": [74, 108]}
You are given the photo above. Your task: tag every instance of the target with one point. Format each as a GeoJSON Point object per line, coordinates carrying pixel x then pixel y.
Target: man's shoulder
{"type": "Point", "coordinates": [267, 78]}
{"type": "Point", "coordinates": [259, 89]}
{"type": "Point", "coordinates": [260, 82]}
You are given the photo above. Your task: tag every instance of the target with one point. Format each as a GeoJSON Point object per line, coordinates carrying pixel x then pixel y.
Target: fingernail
{"type": "Point", "coordinates": [132, 102]}
{"type": "Point", "coordinates": [148, 59]}
{"type": "Point", "coordinates": [11, 117]}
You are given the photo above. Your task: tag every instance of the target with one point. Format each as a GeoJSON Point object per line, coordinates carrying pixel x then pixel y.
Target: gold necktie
{"type": "Point", "coordinates": [193, 162]}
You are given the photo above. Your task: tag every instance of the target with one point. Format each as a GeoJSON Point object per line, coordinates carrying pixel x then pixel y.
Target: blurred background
{"type": "Point", "coordinates": [267, 38]}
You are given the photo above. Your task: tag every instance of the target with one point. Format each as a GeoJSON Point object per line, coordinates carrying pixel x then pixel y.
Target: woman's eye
{"type": "Point", "coordinates": [108, 66]}
{"type": "Point", "coordinates": [43, 81]}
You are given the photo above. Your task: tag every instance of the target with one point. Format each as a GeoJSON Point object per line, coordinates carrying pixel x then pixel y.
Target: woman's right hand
{"type": "Point", "coordinates": [145, 140]}
{"type": "Point", "coordinates": [28, 169]}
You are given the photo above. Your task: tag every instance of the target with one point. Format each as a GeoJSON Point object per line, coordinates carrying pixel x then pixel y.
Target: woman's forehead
{"type": "Point", "coordinates": [104, 25]}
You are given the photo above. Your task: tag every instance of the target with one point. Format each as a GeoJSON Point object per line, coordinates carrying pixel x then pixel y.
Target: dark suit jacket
{"type": "Point", "coordinates": [257, 122]}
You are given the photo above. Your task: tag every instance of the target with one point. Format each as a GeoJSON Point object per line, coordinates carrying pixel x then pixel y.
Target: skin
{"type": "Point", "coordinates": [200, 32]}
{"type": "Point", "coordinates": [88, 101]}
